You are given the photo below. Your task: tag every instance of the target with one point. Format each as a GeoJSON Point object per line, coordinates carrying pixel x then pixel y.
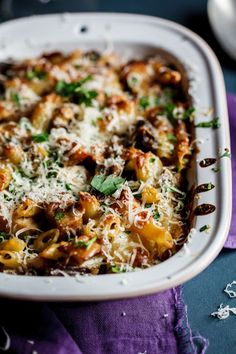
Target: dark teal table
{"type": "Point", "coordinates": [204, 293]}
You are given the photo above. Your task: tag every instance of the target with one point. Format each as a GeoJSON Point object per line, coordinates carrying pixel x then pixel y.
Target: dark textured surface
{"type": "Point", "coordinates": [204, 293]}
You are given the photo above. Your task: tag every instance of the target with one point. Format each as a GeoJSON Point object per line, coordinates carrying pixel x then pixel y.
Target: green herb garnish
{"type": "Point", "coordinates": [144, 102]}
{"type": "Point", "coordinates": [115, 269]}
{"type": "Point", "coordinates": [148, 205]}
{"type": "Point", "coordinates": [214, 124]}
{"type": "Point", "coordinates": [188, 113]}
{"type": "Point", "coordinates": [85, 244]}
{"type": "Point", "coordinates": [204, 228]}
{"type": "Point", "coordinates": [168, 111]}
{"type": "Point", "coordinates": [152, 160]}
{"type": "Point", "coordinates": [39, 138]}
{"type": "Point", "coordinates": [172, 138]}
{"type": "Point", "coordinates": [59, 215]}
{"type": "Point", "coordinates": [226, 154]}
{"type": "Point", "coordinates": [68, 187]}
{"type": "Point", "coordinates": [32, 74]}
{"type": "Point", "coordinates": [176, 190]}
{"type": "Point", "coordinates": [3, 236]}
{"type": "Point", "coordinates": [76, 92]}
{"type": "Point", "coordinates": [216, 169]}
{"type": "Point", "coordinates": [15, 98]}
{"type": "Point", "coordinates": [156, 216]}
{"type": "Point", "coordinates": [107, 185]}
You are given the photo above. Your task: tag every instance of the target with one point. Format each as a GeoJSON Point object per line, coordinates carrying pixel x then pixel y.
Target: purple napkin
{"type": "Point", "coordinates": [155, 324]}
{"type": "Point", "coordinates": [231, 241]}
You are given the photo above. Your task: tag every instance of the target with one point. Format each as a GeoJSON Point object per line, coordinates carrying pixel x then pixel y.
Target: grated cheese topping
{"type": "Point", "coordinates": [91, 165]}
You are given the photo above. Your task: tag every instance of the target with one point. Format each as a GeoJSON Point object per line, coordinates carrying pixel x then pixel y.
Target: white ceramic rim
{"type": "Point", "coordinates": [200, 251]}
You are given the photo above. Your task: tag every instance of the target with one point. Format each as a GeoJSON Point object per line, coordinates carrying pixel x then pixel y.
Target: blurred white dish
{"type": "Point", "coordinates": [222, 17]}
{"type": "Point", "coordinates": [135, 35]}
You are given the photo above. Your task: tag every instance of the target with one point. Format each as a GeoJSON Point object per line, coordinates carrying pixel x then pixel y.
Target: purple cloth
{"type": "Point", "coordinates": [231, 241]}
{"type": "Point", "coordinates": [155, 324]}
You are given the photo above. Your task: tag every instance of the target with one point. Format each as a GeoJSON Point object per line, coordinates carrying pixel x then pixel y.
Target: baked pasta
{"type": "Point", "coordinates": [92, 163]}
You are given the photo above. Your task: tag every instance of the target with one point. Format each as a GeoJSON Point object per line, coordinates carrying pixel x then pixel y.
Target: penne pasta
{"type": "Point", "coordinates": [93, 153]}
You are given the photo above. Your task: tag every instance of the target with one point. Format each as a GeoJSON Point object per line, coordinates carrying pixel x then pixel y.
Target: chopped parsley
{"type": "Point", "coordinates": [204, 228]}
{"type": "Point", "coordinates": [39, 138]}
{"type": "Point", "coordinates": [76, 92]}
{"type": "Point", "coordinates": [144, 102]}
{"type": "Point", "coordinates": [107, 185]}
{"type": "Point", "coordinates": [16, 98]}
{"type": "Point", "coordinates": [156, 216]}
{"type": "Point", "coordinates": [59, 215]}
{"type": "Point", "coordinates": [148, 205]}
{"type": "Point", "coordinates": [3, 236]}
{"type": "Point", "coordinates": [174, 113]}
{"type": "Point", "coordinates": [214, 124]}
{"type": "Point", "coordinates": [117, 269]}
{"type": "Point", "coordinates": [152, 160]}
{"type": "Point", "coordinates": [168, 111]}
{"type": "Point", "coordinates": [32, 74]}
{"type": "Point", "coordinates": [226, 154]}
{"type": "Point", "coordinates": [68, 186]}
{"type": "Point", "coordinates": [188, 114]}
{"type": "Point", "coordinates": [172, 138]}
{"type": "Point", "coordinates": [216, 169]}
{"type": "Point", "coordinates": [85, 244]}
{"type": "Point", "coordinates": [176, 190]}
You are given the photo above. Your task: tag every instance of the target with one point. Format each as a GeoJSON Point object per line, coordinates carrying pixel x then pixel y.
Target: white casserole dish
{"type": "Point", "coordinates": [135, 35]}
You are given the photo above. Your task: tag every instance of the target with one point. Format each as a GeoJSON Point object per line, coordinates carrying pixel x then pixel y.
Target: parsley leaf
{"type": "Point", "coordinates": [176, 190]}
{"type": "Point", "coordinates": [226, 154]}
{"type": "Point", "coordinates": [188, 113]}
{"type": "Point", "coordinates": [115, 269]}
{"type": "Point", "coordinates": [16, 98]}
{"type": "Point", "coordinates": [204, 228]}
{"type": "Point", "coordinates": [31, 74]}
{"type": "Point", "coordinates": [173, 116]}
{"type": "Point", "coordinates": [39, 138]}
{"type": "Point", "coordinates": [152, 160]}
{"type": "Point", "coordinates": [172, 138]}
{"type": "Point", "coordinates": [76, 92]}
{"type": "Point", "coordinates": [3, 236]}
{"type": "Point", "coordinates": [85, 244]}
{"type": "Point", "coordinates": [214, 124]}
{"type": "Point", "coordinates": [156, 216]}
{"type": "Point", "coordinates": [59, 215]}
{"type": "Point", "coordinates": [107, 185]}
{"type": "Point", "coordinates": [144, 102]}
{"type": "Point", "coordinates": [168, 111]}
{"type": "Point", "coordinates": [216, 169]}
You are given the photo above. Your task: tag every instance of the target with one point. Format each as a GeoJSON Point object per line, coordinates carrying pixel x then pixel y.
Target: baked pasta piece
{"type": "Point", "coordinates": [92, 163]}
